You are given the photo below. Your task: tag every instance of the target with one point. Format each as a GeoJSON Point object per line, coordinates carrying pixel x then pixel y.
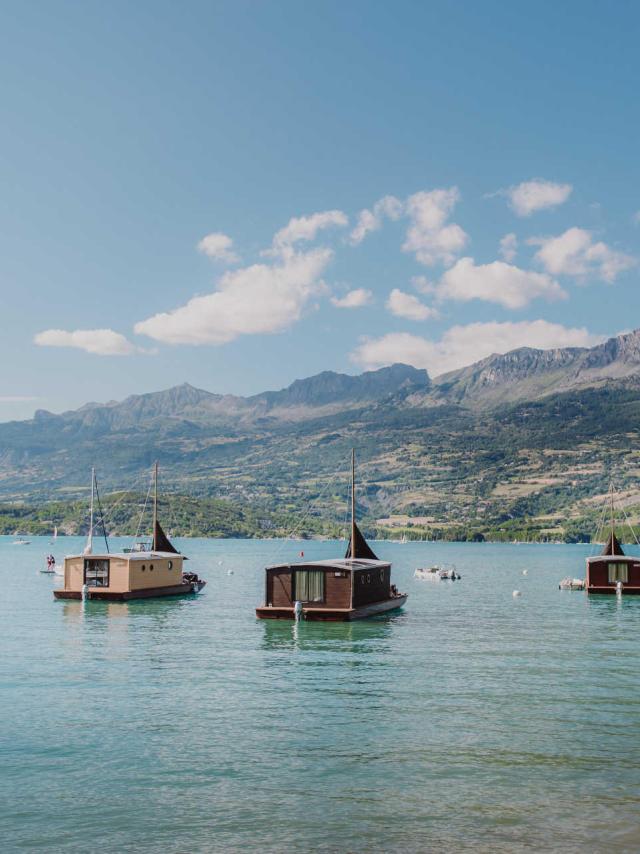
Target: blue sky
{"type": "Point", "coordinates": [445, 179]}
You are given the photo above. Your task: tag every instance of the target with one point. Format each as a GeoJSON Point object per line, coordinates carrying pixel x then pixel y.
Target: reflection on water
{"type": "Point", "coordinates": [468, 721]}
{"type": "Point", "coordinates": [359, 635]}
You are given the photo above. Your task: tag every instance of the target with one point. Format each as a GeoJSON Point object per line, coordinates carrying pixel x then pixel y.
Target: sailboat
{"type": "Point", "coordinates": [54, 536]}
{"type": "Point", "coordinates": [350, 588]}
{"type": "Point", "coordinates": [152, 570]}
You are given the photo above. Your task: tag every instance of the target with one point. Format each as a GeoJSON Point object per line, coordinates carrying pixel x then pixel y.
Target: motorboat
{"type": "Point", "coordinates": [569, 583]}
{"type": "Point", "coordinates": [438, 573]}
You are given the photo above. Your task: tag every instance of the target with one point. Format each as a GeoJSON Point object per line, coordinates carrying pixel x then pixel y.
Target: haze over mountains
{"type": "Point", "coordinates": [530, 423]}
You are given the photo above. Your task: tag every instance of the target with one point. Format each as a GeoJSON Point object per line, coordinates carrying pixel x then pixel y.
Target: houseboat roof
{"type": "Point", "coordinates": [128, 555]}
{"type": "Point", "coordinates": [619, 558]}
{"type": "Point", "coordinates": [612, 549]}
{"type": "Point", "coordinates": [341, 564]}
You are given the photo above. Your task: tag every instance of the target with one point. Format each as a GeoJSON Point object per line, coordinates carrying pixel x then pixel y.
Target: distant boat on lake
{"type": "Point", "coordinates": [349, 588]}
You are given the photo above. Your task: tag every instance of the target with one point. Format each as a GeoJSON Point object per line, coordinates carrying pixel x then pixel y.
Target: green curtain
{"type": "Point", "coordinates": [309, 585]}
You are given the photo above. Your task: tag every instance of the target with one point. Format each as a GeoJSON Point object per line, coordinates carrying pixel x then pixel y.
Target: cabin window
{"type": "Point", "coordinates": [618, 572]}
{"type": "Point", "coordinates": [150, 567]}
{"type": "Point", "coordinates": [309, 585]}
{"type": "Point", "coordinates": [170, 564]}
{"type": "Point", "coordinates": [96, 572]}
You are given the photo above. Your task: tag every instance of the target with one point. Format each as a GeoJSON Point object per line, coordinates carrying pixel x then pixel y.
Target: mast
{"type": "Point", "coordinates": [89, 547]}
{"type": "Point", "coordinates": [155, 503]}
{"type": "Point", "coordinates": [353, 503]}
{"type": "Point", "coordinates": [613, 529]}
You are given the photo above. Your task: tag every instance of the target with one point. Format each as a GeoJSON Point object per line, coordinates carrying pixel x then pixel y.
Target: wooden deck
{"type": "Point", "coordinates": [269, 612]}
{"type": "Point", "coordinates": [105, 595]}
{"type": "Point", "coordinates": [627, 589]}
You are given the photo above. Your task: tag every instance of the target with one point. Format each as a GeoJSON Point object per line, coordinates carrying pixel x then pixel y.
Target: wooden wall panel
{"type": "Point", "coordinates": [371, 585]}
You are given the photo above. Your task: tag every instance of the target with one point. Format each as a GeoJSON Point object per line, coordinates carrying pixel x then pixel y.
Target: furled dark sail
{"type": "Point", "coordinates": [162, 543]}
{"type": "Point", "coordinates": [362, 549]}
{"type": "Point", "coordinates": [612, 547]}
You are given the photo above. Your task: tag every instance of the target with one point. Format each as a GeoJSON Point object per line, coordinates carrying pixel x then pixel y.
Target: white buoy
{"type": "Point", "coordinates": [85, 591]}
{"type": "Point", "coordinates": [516, 593]}
{"type": "Point", "coordinates": [229, 572]}
{"type": "Point", "coordinates": [619, 588]}
{"type": "Point", "coordinates": [525, 572]}
{"type": "Point", "coordinates": [297, 610]}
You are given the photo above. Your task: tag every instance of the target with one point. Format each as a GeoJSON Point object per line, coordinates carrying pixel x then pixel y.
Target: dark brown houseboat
{"type": "Point", "coordinates": [612, 571]}
{"type": "Point", "coordinates": [351, 588]}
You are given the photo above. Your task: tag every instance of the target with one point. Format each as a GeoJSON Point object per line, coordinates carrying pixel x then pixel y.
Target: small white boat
{"type": "Point", "coordinates": [20, 541]}
{"type": "Point", "coordinates": [569, 583]}
{"type": "Point", "coordinates": [438, 573]}
{"type": "Point", "coordinates": [427, 572]}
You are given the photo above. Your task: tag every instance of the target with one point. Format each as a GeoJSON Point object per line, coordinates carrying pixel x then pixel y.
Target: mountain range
{"type": "Point", "coordinates": [473, 441]}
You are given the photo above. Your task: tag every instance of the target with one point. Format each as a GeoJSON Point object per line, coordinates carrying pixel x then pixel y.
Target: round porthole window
{"type": "Point", "coordinates": [150, 567]}
{"type": "Point", "coordinates": [143, 567]}
{"type": "Point", "coordinates": [368, 579]}
{"type": "Point", "coordinates": [170, 564]}
{"type": "Point", "coordinates": [381, 575]}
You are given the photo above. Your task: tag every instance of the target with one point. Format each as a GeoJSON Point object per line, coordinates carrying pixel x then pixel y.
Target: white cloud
{"type": "Point", "coordinates": [574, 253]}
{"type": "Point", "coordinates": [463, 345]}
{"type": "Point", "coordinates": [258, 299]}
{"type": "Point", "coordinates": [423, 285]}
{"type": "Point", "coordinates": [430, 236]}
{"type": "Point", "coordinates": [219, 246]}
{"type": "Point", "coordinates": [354, 299]}
{"type": "Point", "coordinates": [509, 247]}
{"type": "Point", "coordinates": [371, 220]}
{"type": "Point", "coordinates": [406, 305]}
{"type": "Point", "coordinates": [536, 195]}
{"type": "Point", "coordinates": [305, 228]}
{"type": "Point", "coordinates": [100, 342]}
{"type": "Point", "coordinates": [497, 282]}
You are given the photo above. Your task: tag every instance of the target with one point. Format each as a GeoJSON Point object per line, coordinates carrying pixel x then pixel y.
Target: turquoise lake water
{"type": "Point", "coordinates": [468, 721]}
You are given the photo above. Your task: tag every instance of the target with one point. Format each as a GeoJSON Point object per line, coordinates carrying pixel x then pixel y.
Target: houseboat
{"type": "Point", "coordinates": [350, 588]}
{"type": "Point", "coordinates": [612, 571]}
{"type": "Point", "coordinates": [147, 570]}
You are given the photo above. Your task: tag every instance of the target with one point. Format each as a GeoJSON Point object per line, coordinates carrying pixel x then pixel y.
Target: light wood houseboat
{"type": "Point", "coordinates": [147, 570]}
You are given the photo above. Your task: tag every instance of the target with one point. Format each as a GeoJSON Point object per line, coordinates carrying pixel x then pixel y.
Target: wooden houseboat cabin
{"type": "Point", "coordinates": [350, 588]}
{"type": "Point", "coordinates": [147, 570]}
{"type": "Point", "coordinates": [613, 571]}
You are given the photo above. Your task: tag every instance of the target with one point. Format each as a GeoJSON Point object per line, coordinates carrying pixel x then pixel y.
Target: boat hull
{"type": "Point", "coordinates": [335, 615]}
{"type": "Point", "coordinates": [101, 595]}
{"type": "Point", "coordinates": [611, 591]}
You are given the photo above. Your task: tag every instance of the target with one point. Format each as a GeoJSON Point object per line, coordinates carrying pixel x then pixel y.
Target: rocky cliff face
{"type": "Point", "coordinates": [528, 374]}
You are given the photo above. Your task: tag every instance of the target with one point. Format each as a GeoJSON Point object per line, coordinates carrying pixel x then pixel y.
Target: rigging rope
{"type": "Point", "coordinates": [104, 530]}
{"type": "Point", "coordinates": [594, 542]}
{"type": "Point", "coordinates": [626, 518]}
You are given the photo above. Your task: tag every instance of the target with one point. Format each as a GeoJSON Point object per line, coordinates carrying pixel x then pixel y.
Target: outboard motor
{"type": "Point", "coordinates": [297, 610]}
